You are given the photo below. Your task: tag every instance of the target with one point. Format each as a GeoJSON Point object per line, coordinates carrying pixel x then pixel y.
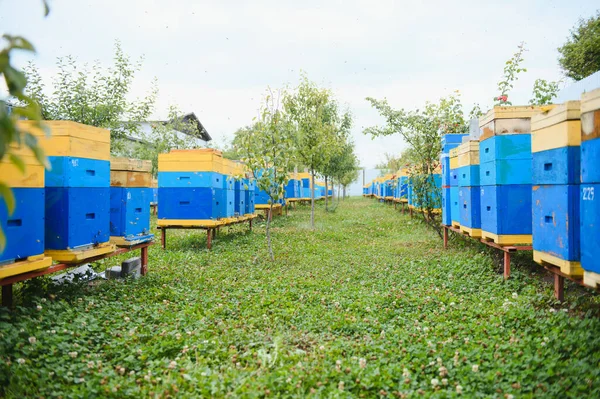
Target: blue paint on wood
{"type": "Point", "coordinates": [454, 177]}
{"type": "Point", "coordinates": [556, 166]}
{"type": "Point", "coordinates": [506, 146]}
{"type": "Point", "coordinates": [468, 176]}
{"type": "Point", "coordinates": [590, 161]}
{"type": "Point", "coordinates": [470, 207]}
{"type": "Point", "coordinates": [446, 207]}
{"type": "Point", "coordinates": [129, 212]}
{"type": "Point", "coordinates": [77, 172]}
{"type": "Point", "coordinates": [154, 198]}
{"type": "Point", "coordinates": [249, 197]}
{"type": "Point", "coordinates": [590, 226]}
{"type": "Point", "coordinates": [77, 217]}
{"type": "Point", "coordinates": [454, 204]}
{"type": "Point", "coordinates": [291, 189]}
{"type": "Point", "coordinates": [505, 172]}
{"type": "Point", "coordinates": [202, 203]}
{"type": "Point", "coordinates": [240, 186]}
{"type": "Point", "coordinates": [556, 220]}
{"type": "Point", "coordinates": [24, 228]}
{"type": "Point", "coordinates": [506, 210]}
{"type": "Point", "coordinates": [191, 179]}
{"type": "Point", "coordinates": [450, 141]}
{"type": "Point", "coordinates": [445, 165]}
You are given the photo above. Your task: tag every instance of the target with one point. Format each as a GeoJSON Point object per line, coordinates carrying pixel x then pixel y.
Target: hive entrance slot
{"type": "Point", "coordinates": [14, 223]}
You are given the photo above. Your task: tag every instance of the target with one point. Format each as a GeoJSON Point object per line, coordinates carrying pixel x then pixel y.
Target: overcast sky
{"type": "Point", "coordinates": [217, 58]}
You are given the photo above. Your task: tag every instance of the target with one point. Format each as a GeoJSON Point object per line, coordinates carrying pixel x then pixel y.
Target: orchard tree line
{"type": "Point", "coordinates": [303, 128]}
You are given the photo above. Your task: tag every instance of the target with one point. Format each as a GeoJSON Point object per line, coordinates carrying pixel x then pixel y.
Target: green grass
{"type": "Point", "coordinates": [369, 304]}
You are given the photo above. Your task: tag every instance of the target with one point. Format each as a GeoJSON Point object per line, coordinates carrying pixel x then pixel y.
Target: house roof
{"type": "Point", "coordinates": [198, 129]}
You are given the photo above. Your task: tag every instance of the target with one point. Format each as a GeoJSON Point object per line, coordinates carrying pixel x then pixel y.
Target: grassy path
{"type": "Point", "coordinates": [367, 305]}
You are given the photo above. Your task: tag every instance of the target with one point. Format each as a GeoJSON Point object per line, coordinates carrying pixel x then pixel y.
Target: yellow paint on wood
{"type": "Point", "coordinates": [454, 163]}
{"type": "Point", "coordinates": [466, 159]}
{"type": "Point", "coordinates": [564, 134]}
{"type": "Point", "coordinates": [453, 152]}
{"type": "Point", "coordinates": [77, 255]}
{"type": "Point", "coordinates": [13, 177]}
{"type": "Point", "coordinates": [202, 223]}
{"type": "Point", "coordinates": [71, 139]}
{"type": "Point", "coordinates": [567, 267]}
{"type": "Point", "coordinates": [507, 239]}
{"type": "Point", "coordinates": [197, 160]}
{"type": "Point", "coordinates": [32, 263]}
{"type": "Point", "coordinates": [571, 110]}
{"type": "Point", "coordinates": [130, 164]}
{"type": "Point", "coordinates": [590, 101]}
{"type": "Point", "coordinates": [512, 112]}
{"type": "Point", "coordinates": [122, 242]}
{"type": "Point", "coordinates": [455, 223]}
{"type": "Point", "coordinates": [122, 178]}
{"type": "Point", "coordinates": [475, 233]}
{"type": "Point", "coordinates": [591, 279]}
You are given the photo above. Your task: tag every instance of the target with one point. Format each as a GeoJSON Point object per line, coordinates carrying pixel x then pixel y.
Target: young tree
{"type": "Point", "coordinates": [11, 135]}
{"type": "Point", "coordinates": [268, 152]}
{"type": "Point", "coordinates": [312, 114]}
{"type": "Point", "coordinates": [580, 55]}
{"type": "Point", "coordinates": [340, 152]}
{"type": "Point", "coordinates": [543, 92]}
{"type": "Point", "coordinates": [94, 96]}
{"type": "Point", "coordinates": [512, 68]}
{"type": "Point", "coordinates": [422, 129]}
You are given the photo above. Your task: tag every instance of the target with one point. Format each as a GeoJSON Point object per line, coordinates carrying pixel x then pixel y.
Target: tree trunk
{"type": "Point", "coordinates": [312, 199]}
{"type": "Point", "coordinates": [326, 196]}
{"type": "Point", "coordinates": [269, 244]}
{"type": "Point", "coordinates": [344, 193]}
{"type": "Point", "coordinates": [339, 187]}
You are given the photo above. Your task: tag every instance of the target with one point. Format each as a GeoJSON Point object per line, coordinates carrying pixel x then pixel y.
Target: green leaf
{"type": "Point", "coordinates": [8, 196]}
{"type": "Point", "coordinates": [18, 162]}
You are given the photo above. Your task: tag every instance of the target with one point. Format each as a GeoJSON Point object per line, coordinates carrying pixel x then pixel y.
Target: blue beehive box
{"type": "Point", "coordinates": [556, 166]}
{"type": "Point", "coordinates": [249, 196]}
{"type": "Point", "coordinates": [154, 198]}
{"type": "Point", "coordinates": [590, 187]}
{"type": "Point", "coordinates": [24, 229]}
{"type": "Point", "coordinates": [130, 197]}
{"type": "Point", "coordinates": [240, 199]}
{"type": "Point", "coordinates": [445, 165]}
{"type": "Point", "coordinates": [454, 206]}
{"type": "Point", "coordinates": [590, 220]}
{"type": "Point", "coordinates": [502, 172]}
{"type": "Point", "coordinates": [470, 210]}
{"type": "Point", "coordinates": [199, 203]}
{"type": "Point", "coordinates": [507, 146]}
{"type": "Point", "coordinates": [450, 141]}
{"type": "Point", "coordinates": [506, 213]}
{"type": "Point", "coordinates": [446, 207]}
{"type": "Point", "coordinates": [468, 176]}
{"type": "Point", "coordinates": [556, 221]}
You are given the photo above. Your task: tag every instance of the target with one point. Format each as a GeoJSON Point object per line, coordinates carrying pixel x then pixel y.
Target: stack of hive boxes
{"type": "Point", "coordinates": [77, 223]}
{"type": "Point", "coordinates": [388, 188]}
{"type": "Point", "coordinates": [154, 197]}
{"type": "Point", "coordinates": [590, 185]}
{"type": "Point", "coordinates": [292, 188]}
{"type": "Point", "coordinates": [401, 184]}
{"type": "Point", "coordinates": [505, 174]}
{"type": "Point", "coordinates": [191, 187]}
{"type": "Point", "coordinates": [130, 198]}
{"type": "Point", "coordinates": [454, 189]}
{"type": "Point", "coordinates": [555, 147]}
{"type": "Point", "coordinates": [227, 195]}
{"type": "Point", "coordinates": [468, 188]}
{"type": "Point", "coordinates": [24, 228]}
{"type": "Point", "coordinates": [448, 171]}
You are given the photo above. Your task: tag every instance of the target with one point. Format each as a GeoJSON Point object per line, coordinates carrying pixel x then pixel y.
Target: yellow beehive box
{"type": "Point", "coordinates": [509, 120]}
{"type": "Point", "coordinates": [33, 177]}
{"type": "Point", "coordinates": [468, 153]}
{"type": "Point", "coordinates": [197, 160]}
{"type": "Point", "coordinates": [71, 139]}
{"type": "Point", "coordinates": [128, 172]}
{"type": "Point", "coordinates": [556, 128]}
{"type": "Point", "coordinates": [590, 115]}
{"type": "Point", "coordinates": [453, 158]}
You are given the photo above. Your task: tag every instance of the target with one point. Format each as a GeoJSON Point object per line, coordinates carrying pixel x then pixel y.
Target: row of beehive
{"type": "Point", "coordinates": [531, 179]}
{"type": "Point", "coordinates": [399, 187]}
{"type": "Point", "coordinates": [77, 209]}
